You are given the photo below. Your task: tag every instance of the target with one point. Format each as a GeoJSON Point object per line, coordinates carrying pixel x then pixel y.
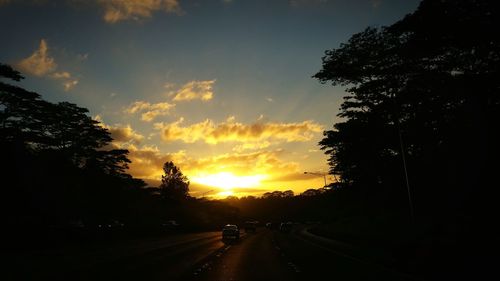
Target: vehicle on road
{"type": "Point", "coordinates": [273, 225]}
{"type": "Point", "coordinates": [230, 231]}
{"type": "Point", "coordinates": [110, 225]}
{"type": "Point", "coordinates": [170, 224]}
{"type": "Point", "coordinates": [250, 226]}
{"type": "Point", "coordinates": [286, 227]}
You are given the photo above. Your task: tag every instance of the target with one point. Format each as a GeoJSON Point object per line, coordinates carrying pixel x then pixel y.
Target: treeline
{"type": "Point", "coordinates": [419, 133]}
{"type": "Point", "coordinates": [420, 130]}
{"type": "Point", "coordinates": [55, 163]}
{"type": "Point", "coordinates": [322, 204]}
{"type": "Point", "coordinates": [59, 173]}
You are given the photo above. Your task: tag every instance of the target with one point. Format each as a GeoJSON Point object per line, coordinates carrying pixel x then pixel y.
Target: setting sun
{"type": "Point", "coordinates": [224, 194]}
{"type": "Point", "coordinates": [227, 181]}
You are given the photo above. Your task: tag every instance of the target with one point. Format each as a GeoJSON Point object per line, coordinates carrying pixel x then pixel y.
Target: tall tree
{"type": "Point", "coordinates": [422, 94]}
{"type": "Point", "coordinates": [54, 157]}
{"type": "Point", "coordinates": [28, 120]}
{"type": "Point", "coordinates": [174, 184]}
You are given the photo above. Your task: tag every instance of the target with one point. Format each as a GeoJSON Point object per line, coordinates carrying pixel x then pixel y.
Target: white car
{"type": "Point", "coordinates": [230, 231]}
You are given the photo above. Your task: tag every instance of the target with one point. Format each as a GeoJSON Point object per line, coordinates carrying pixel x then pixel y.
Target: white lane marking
{"type": "Point", "coordinates": [209, 263]}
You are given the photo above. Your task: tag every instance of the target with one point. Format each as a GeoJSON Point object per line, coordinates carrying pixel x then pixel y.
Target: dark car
{"type": "Point", "coordinates": [110, 225]}
{"type": "Point", "coordinates": [230, 231]}
{"type": "Point", "coordinates": [286, 227]}
{"type": "Point", "coordinates": [250, 226]}
{"type": "Point", "coordinates": [171, 224]}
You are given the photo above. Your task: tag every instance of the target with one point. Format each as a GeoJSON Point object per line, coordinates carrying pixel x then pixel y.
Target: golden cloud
{"type": "Point", "coordinates": [149, 111]}
{"type": "Point", "coordinates": [231, 131]}
{"type": "Point", "coordinates": [39, 63]}
{"type": "Point", "coordinates": [251, 146]}
{"type": "Point", "coordinates": [70, 84]}
{"type": "Point", "coordinates": [147, 163]}
{"type": "Point", "coordinates": [262, 162]}
{"type": "Point", "coordinates": [195, 90]}
{"type": "Point", "coordinates": [61, 75]}
{"type": "Point", "coordinates": [124, 134]}
{"type": "Point", "coordinates": [119, 10]}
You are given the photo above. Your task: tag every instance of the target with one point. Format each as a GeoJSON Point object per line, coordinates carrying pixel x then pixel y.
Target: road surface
{"type": "Point", "coordinates": [272, 255]}
{"type": "Point", "coordinates": [264, 255]}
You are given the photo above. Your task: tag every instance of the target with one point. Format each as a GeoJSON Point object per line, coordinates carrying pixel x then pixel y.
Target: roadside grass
{"type": "Point", "coordinates": [385, 240]}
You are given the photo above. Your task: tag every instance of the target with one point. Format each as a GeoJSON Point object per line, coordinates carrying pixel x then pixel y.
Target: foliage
{"type": "Point", "coordinates": [278, 194]}
{"type": "Point", "coordinates": [423, 88]}
{"type": "Point", "coordinates": [55, 161]}
{"type": "Point", "coordinates": [64, 128]}
{"type": "Point", "coordinates": [174, 184]}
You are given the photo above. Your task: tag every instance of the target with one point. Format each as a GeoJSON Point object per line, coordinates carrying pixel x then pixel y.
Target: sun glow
{"type": "Point", "coordinates": [227, 181]}
{"type": "Point", "coordinates": [225, 194]}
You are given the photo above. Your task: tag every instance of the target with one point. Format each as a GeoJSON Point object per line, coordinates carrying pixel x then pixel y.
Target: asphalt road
{"type": "Point", "coordinates": [255, 257]}
{"type": "Point", "coordinates": [165, 258]}
{"type": "Point", "coordinates": [272, 255]}
{"type": "Point", "coordinates": [264, 255]}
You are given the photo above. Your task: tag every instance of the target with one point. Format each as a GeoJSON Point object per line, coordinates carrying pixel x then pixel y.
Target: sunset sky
{"type": "Point", "coordinates": [222, 88]}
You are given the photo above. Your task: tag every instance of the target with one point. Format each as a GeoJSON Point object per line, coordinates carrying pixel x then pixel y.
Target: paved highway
{"type": "Point", "coordinates": [272, 255]}
{"type": "Point", "coordinates": [264, 255]}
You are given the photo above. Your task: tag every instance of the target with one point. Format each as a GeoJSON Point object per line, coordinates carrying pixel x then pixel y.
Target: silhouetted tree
{"type": "Point", "coordinates": [422, 88]}
{"type": "Point", "coordinates": [55, 161]}
{"type": "Point", "coordinates": [174, 184]}
{"type": "Point", "coordinates": [63, 127]}
{"type": "Point", "coordinates": [273, 194]}
{"type": "Point", "coordinates": [311, 192]}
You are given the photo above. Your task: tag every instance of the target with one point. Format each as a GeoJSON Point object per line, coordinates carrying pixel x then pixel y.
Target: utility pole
{"type": "Point", "coordinates": [318, 174]}
{"type": "Point", "coordinates": [403, 158]}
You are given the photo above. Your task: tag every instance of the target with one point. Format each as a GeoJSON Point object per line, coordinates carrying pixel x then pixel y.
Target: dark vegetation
{"type": "Point", "coordinates": [54, 162]}
{"type": "Point", "coordinates": [60, 176]}
{"type": "Point", "coordinates": [418, 143]}
{"type": "Point", "coordinates": [416, 152]}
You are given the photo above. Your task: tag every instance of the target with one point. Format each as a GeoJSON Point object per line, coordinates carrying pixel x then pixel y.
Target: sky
{"type": "Point", "coordinates": [222, 88]}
